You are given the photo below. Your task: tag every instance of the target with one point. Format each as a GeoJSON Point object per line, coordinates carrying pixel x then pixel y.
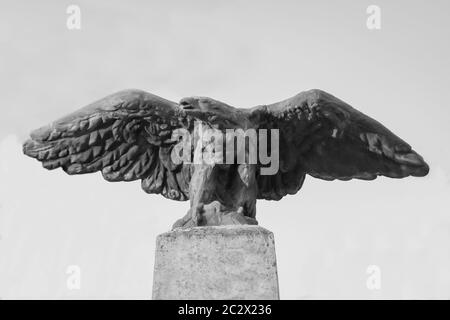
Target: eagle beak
{"type": "Point", "coordinates": [186, 105]}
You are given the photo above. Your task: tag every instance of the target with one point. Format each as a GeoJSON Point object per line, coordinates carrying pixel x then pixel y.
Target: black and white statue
{"type": "Point", "coordinates": [264, 152]}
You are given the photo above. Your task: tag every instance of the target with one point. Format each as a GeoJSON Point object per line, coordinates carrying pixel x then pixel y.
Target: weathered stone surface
{"type": "Point", "coordinates": [223, 262]}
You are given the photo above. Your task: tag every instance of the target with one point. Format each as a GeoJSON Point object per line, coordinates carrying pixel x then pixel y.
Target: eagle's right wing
{"type": "Point", "coordinates": [127, 136]}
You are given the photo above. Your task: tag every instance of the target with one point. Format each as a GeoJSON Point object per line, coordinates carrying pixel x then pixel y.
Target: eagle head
{"type": "Point", "coordinates": [213, 111]}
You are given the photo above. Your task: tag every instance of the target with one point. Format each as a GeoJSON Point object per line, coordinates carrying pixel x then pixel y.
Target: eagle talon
{"type": "Point", "coordinates": [197, 214]}
{"type": "Point", "coordinates": [193, 218]}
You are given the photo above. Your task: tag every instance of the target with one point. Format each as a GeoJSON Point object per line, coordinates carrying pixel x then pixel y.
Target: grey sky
{"type": "Point", "coordinates": [244, 53]}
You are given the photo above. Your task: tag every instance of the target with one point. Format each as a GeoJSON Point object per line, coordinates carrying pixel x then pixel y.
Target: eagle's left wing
{"type": "Point", "coordinates": [326, 138]}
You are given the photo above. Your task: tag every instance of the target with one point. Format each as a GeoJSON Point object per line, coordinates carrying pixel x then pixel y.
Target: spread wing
{"type": "Point", "coordinates": [126, 136]}
{"type": "Point", "coordinates": [326, 138]}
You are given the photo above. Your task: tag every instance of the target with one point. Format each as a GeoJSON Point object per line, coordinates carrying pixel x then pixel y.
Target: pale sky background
{"type": "Point", "coordinates": [244, 53]}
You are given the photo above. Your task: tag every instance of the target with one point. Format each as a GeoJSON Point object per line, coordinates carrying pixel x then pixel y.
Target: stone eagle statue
{"type": "Point", "coordinates": [129, 136]}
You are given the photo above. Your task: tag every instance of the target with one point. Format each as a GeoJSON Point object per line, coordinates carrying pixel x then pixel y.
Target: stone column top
{"type": "Point", "coordinates": [216, 262]}
{"type": "Point", "coordinates": [228, 230]}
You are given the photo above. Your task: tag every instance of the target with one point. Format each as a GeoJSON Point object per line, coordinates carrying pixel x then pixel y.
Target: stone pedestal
{"type": "Point", "coordinates": [224, 262]}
